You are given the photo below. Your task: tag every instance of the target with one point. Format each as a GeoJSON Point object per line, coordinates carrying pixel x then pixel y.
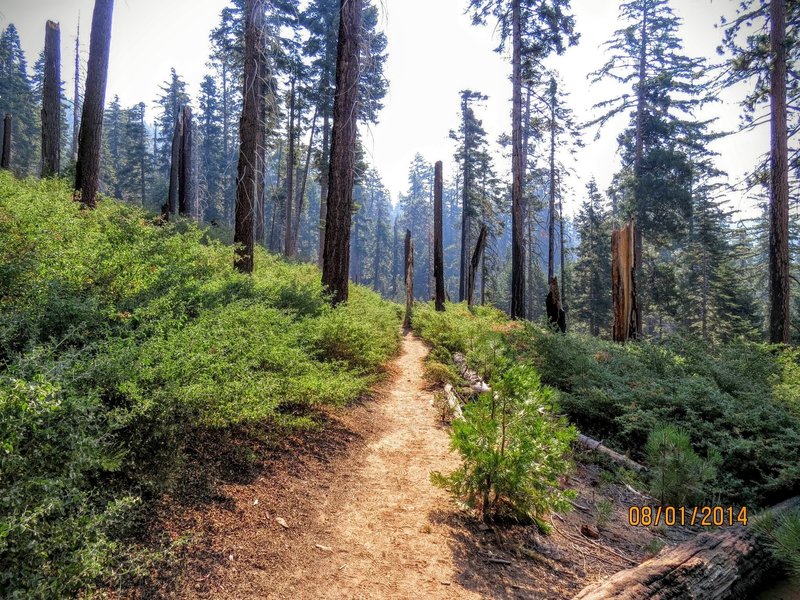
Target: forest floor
{"type": "Point", "coordinates": [349, 512]}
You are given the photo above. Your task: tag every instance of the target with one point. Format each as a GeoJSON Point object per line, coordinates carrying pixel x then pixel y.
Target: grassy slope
{"type": "Point", "coordinates": [741, 398]}
{"type": "Point", "coordinates": [119, 338]}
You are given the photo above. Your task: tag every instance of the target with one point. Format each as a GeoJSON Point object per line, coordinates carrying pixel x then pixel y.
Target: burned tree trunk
{"type": "Point", "coordinates": [555, 313]}
{"type": "Point", "coordinates": [625, 261]}
{"type": "Point", "coordinates": [51, 102]}
{"type": "Point", "coordinates": [720, 565]}
{"type": "Point", "coordinates": [409, 247]}
{"type": "Point", "coordinates": [336, 259]}
{"type": "Point", "coordinates": [5, 157]}
{"type": "Point", "coordinates": [473, 265]}
{"type": "Point", "coordinates": [87, 169]}
{"type": "Point", "coordinates": [438, 246]}
{"type": "Point", "coordinates": [246, 192]}
{"type": "Point", "coordinates": [185, 176]}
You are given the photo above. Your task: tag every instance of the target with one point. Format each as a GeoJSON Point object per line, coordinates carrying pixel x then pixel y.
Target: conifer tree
{"type": "Point", "coordinates": [536, 28]}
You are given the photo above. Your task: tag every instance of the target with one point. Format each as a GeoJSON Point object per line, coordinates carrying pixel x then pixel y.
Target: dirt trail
{"type": "Point", "coordinates": [383, 541]}
{"type": "Point", "coordinates": [355, 518]}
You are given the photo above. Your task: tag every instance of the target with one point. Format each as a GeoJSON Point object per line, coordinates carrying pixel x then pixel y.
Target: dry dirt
{"type": "Point", "coordinates": [349, 512]}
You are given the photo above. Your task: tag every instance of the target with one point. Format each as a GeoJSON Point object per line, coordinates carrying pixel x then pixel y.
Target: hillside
{"type": "Point", "coordinates": [122, 342]}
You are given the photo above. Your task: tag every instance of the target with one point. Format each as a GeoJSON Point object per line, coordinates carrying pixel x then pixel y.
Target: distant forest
{"type": "Point", "coordinates": [704, 270]}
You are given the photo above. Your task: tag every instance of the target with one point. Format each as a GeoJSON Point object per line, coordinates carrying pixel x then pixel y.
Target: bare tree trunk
{"type": "Point", "coordinates": [246, 193]}
{"type": "Point", "coordinates": [185, 174]}
{"type": "Point", "coordinates": [639, 146]}
{"type": "Point", "coordinates": [323, 183]}
{"type": "Point", "coordinates": [473, 265]}
{"type": "Point", "coordinates": [301, 196]}
{"type": "Point", "coordinates": [552, 206]}
{"type": "Point", "coordinates": [142, 162]}
{"type": "Point", "coordinates": [779, 315]}
{"type": "Point", "coordinates": [76, 98]}
{"type": "Point", "coordinates": [288, 244]}
{"type": "Point", "coordinates": [261, 176]}
{"type": "Point", "coordinates": [175, 165]}
{"type": "Point", "coordinates": [624, 262]}
{"type": "Point", "coordinates": [379, 244]}
{"type": "Point", "coordinates": [340, 196]}
{"type": "Point", "coordinates": [5, 157]}
{"type": "Point", "coordinates": [465, 208]}
{"type": "Point", "coordinates": [395, 245]}
{"type": "Point", "coordinates": [51, 102]}
{"type": "Point", "coordinates": [517, 216]}
{"type": "Point", "coordinates": [87, 169]}
{"type": "Point", "coordinates": [563, 257]}
{"type": "Point", "coordinates": [409, 254]}
{"type": "Point", "coordinates": [438, 245]}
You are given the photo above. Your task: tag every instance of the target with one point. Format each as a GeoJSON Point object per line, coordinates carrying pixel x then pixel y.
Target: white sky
{"type": "Point", "coordinates": [434, 52]}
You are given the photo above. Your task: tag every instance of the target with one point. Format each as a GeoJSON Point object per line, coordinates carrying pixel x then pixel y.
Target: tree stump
{"type": "Point", "coordinates": [625, 260]}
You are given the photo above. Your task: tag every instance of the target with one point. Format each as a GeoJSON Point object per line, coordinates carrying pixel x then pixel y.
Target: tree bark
{"type": "Point", "coordinates": [185, 176]}
{"type": "Point", "coordinates": [517, 216]}
{"type": "Point", "coordinates": [551, 234]}
{"type": "Point", "coordinates": [76, 98]}
{"type": "Point", "coordinates": [555, 311]}
{"type": "Point", "coordinates": [465, 208]}
{"type": "Point", "coordinates": [288, 243]}
{"type": "Point", "coordinates": [175, 165]}
{"type": "Point", "coordinates": [473, 265]}
{"type": "Point", "coordinates": [301, 196]}
{"type": "Point", "coordinates": [87, 169]}
{"type": "Point", "coordinates": [779, 314]}
{"type": "Point", "coordinates": [5, 157]}
{"type": "Point", "coordinates": [323, 184]}
{"type": "Point", "coordinates": [409, 254]}
{"type": "Point", "coordinates": [246, 192]}
{"type": "Point", "coordinates": [624, 263]}
{"type": "Point", "coordinates": [395, 246]}
{"type": "Point", "coordinates": [51, 102]}
{"type": "Point", "coordinates": [336, 256]}
{"type": "Point", "coordinates": [729, 563]}
{"type": "Point", "coordinates": [438, 245]}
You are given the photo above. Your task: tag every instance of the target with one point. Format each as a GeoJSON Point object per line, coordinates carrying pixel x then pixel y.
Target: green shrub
{"type": "Point", "coordinates": [438, 374]}
{"type": "Point", "coordinates": [783, 535]}
{"type": "Point", "coordinates": [678, 476]}
{"type": "Point", "coordinates": [120, 339]}
{"type": "Point", "coordinates": [514, 450]}
{"type": "Point", "coordinates": [735, 398]}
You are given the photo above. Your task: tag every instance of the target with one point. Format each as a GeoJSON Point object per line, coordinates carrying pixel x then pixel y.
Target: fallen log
{"type": "Point", "coordinates": [480, 386]}
{"type": "Point", "coordinates": [452, 402]}
{"type": "Point", "coordinates": [592, 444]}
{"type": "Point", "coordinates": [726, 564]}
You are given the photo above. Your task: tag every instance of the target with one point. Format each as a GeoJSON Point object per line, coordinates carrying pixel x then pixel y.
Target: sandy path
{"type": "Point", "coordinates": [348, 513]}
{"type": "Point", "coordinates": [383, 541]}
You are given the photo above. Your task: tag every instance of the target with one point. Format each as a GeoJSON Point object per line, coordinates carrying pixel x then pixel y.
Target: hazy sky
{"type": "Point", "coordinates": [434, 52]}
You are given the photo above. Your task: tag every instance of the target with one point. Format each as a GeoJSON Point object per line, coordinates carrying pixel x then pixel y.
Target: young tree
{"type": "Point", "coordinates": [17, 99]}
{"type": "Point", "coordinates": [246, 192]}
{"type": "Point", "coordinates": [51, 102]}
{"type": "Point", "coordinates": [536, 29]}
{"type": "Point", "coordinates": [87, 169]}
{"type": "Point", "coordinates": [336, 256]}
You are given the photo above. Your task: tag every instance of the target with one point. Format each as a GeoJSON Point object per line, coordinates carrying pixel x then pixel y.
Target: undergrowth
{"type": "Point", "coordinates": [118, 339]}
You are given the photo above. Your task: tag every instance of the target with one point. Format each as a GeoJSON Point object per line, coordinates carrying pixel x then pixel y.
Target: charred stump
{"type": "Point", "coordinates": [556, 315]}
{"type": "Point", "coordinates": [409, 247]}
{"type": "Point", "coordinates": [625, 261]}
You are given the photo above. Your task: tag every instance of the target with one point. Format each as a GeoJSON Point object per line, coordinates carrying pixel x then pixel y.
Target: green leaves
{"type": "Point", "coordinates": [514, 450]}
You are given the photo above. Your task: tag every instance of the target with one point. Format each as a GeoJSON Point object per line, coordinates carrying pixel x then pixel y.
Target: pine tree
{"type": "Point", "coordinates": [536, 29]}
{"type": "Point", "coordinates": [416, 207]}
{"type": "Point", "coordinates": [211, 152]}
{"type": "Point", "coordinates": [592, 283]}
{"type": "Point", "coordinates": [17, 98]}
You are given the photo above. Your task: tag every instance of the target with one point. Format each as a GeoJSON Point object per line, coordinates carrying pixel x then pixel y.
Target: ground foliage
{"type": "Point", "coordinates": [119, 339]}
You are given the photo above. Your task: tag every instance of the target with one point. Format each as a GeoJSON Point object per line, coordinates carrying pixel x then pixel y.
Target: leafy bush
{"type": "Point", "coordinates": [514, 450]}
{"type": "Point", "coordinates": [735, 398]}
{"type": "Point", "coordinates": [119, 339]}
{"type": "Point", "coordinates": [438, 374]}
{"type": "Point", "coordinates": [678, 476]}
